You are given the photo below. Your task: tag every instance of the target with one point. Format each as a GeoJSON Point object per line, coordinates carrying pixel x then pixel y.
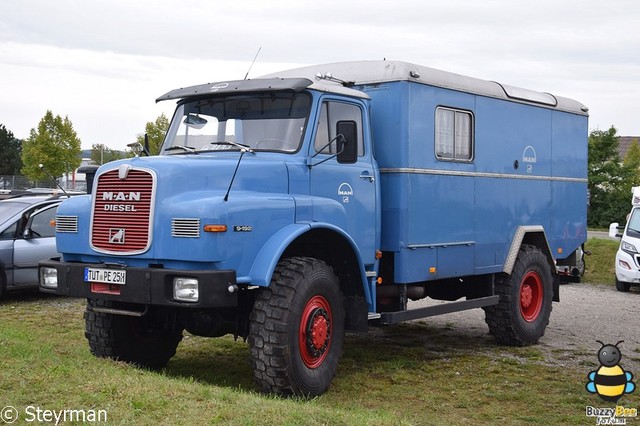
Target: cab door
{"type": "Point", "coordinates": [36, 242]}
{"type": "Point", "coordinates": [351, 181]}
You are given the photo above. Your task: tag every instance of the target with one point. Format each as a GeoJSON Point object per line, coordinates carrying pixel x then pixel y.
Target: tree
{"type": "Point", "coordinates": [10, 151]}
{"type": "Point", "coordinates": [100, 154]}
{"type": "Point", "coordinates": [155, 131]}
{"type": "Point", "coordinates": [610, 179]}
{"type": "Point", "coordinates": [631, 165]}
{"type": "Point", "coordinates": [54, 144]}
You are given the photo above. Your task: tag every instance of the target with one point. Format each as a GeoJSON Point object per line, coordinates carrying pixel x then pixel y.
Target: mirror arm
{"type": "Point", "coordinates": [341, 138]}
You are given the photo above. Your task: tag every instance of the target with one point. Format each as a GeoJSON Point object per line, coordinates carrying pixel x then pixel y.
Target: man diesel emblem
{"type": "Point", "coordinates": [116, 235]}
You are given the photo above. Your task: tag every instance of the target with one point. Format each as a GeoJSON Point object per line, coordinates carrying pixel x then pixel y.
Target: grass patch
{"type": "Point", "coordinates": [600, 266]}
{"type": "Point", "coordinates": [412, 374]}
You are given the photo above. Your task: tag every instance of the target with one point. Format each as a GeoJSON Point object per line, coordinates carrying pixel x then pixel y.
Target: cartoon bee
{"type": "Point", "coordinates": [610, 381]}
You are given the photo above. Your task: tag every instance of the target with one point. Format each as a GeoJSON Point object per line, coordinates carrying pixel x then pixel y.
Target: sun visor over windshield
{"type": "Point", "coordinates": [239, 86]}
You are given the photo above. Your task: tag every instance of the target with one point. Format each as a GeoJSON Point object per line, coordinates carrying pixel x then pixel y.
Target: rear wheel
{"type": "Point", "coordinates": [622, 286]}
{"type": "Point", "coordinates": [148, 341]}
{"type": "Point", "coordinates": [522, 314]}
{"type": "Point", "coordinates": [297, 329]}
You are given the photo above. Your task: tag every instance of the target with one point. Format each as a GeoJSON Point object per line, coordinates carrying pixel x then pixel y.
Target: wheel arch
{"type": "Point", "coordinates": [532, 235]}
{"type": "Point", "coordinates": [320, 240]}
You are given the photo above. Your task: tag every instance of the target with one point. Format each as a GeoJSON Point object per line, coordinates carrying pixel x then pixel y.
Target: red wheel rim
{"type": "Point", "coordinates": [531, 295]}
{"type": "Point", "coordinates": [314, 337]}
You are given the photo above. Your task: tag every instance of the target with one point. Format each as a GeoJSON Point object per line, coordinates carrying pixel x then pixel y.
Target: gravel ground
{"type": "Point", "coordinates": [586, 313]}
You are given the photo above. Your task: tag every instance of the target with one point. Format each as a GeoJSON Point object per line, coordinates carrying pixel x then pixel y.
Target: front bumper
{"type": "Point", "coordinates": [622, 272]}
{"type": "Point", "coordinates": [148, 286]}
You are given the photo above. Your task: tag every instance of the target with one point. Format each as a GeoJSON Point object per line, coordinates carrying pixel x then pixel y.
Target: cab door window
{"type": "Point", "coordinates": [331, 113]}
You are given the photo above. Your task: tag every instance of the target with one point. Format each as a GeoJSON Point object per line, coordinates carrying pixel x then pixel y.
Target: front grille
{"type": "Point", "coordinates": [67, 224]}
{"type": "Point", "coordinates": [122, 211]}
{"type": "Point", "coordinates": [185, 227]}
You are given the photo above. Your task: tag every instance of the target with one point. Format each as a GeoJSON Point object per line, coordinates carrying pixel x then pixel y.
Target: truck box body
{"type": "Point", "coordinates": [288, 208]}
{"type": "Point", "coordinates": [461, 216]}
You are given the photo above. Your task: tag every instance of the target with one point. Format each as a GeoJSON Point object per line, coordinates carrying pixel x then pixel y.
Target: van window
{"type": "Point", "coordinates": [454, 135]}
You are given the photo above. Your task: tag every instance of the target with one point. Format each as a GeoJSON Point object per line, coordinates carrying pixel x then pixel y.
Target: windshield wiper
{"type": "Point", "coordinates": [240, 146]}
{"type": "Point", "coordinates": [189, 149]}
{"type": "Point", "coordinates": [637, 231]}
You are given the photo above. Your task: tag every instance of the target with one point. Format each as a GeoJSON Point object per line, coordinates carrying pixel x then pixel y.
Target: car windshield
{"type": "Point", "coordinates": [261, 122]}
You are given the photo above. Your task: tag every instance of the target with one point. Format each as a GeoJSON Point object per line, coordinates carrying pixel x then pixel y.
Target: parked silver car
{"type": "Point", "coordinates": [27, 236]}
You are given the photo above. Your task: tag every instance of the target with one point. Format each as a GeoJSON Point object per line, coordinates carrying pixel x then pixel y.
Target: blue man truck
{"type": "Point", "coordinates": [290, 208]}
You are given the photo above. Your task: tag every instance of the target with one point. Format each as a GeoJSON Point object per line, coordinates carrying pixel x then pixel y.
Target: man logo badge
{"type": "Point", "coordinates": [116, 235]}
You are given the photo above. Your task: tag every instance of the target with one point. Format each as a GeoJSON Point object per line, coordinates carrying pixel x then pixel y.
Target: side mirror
{"type": "Point", "coordinates": [348, 151]}
{"type": "Point", "coordinates": [27, 234]}
{"type": "Point", "coordinates": [615, 231]}
{"type": "Point", "coordinates": [90, 173]}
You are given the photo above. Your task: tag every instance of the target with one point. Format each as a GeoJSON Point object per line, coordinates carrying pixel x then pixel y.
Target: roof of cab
{"type": "Point", "coordinates": [294, 84]}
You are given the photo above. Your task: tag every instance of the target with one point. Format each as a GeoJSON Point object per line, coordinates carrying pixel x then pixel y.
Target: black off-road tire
{"type": "Point", "coordinates": [522, 314]}
{"type": "Point", "coordinates": [297, 329]}
{"type": "Point", "coordinates": [127, 338]}
{"type": "Point", "coordinates": [622, 286]}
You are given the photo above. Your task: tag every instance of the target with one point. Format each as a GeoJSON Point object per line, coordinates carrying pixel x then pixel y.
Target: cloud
{"type": "Point", "coordinates": [103, 62]}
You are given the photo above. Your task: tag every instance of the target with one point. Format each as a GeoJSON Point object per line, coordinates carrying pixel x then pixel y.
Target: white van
{"type": "Point", "coordinates": [628, 255]}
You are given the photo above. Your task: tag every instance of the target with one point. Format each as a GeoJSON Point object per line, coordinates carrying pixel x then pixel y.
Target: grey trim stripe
{"type": "Point", "coordinates": [479, 174]}
{"type": "Point", "coordinates": [436, 245]}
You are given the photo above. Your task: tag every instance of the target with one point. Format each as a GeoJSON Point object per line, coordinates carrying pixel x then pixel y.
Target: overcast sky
{"type": "Point", "coordinates": [103, 63]}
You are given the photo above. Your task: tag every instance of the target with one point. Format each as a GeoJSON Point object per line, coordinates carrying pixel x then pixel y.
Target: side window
{"type": "Point", "coordinates": [10, 232]}
{"type": "Point", "coordinates": [41, 223]}
{"type": "Point", "coordinates": [454, 135]}
{"type": "Point", "coordinates": [330, 114]}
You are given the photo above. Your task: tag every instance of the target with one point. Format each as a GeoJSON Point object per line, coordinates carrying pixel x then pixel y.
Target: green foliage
{"type": "Point", "coordinates": [155, 131]}
{"type": "Point", "coordinates": [631, 163]}
{"type": "Point", "coordinates": [101, 154]}
{"type": "Point", "coordinates": [600, 266]}
{"type": "Point", "coordinates": [610, 179]}
{"type": "Point", "coordinates": [10, 151]}
{"type": "Point", "coordinates": [54, 144]}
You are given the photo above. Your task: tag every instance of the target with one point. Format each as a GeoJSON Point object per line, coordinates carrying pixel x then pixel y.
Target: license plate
{"type": "Point", "coordinates": [107, 276]}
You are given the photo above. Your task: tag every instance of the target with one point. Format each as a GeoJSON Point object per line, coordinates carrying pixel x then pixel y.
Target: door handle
{"type": "Point", "coordinates": [366, 175]}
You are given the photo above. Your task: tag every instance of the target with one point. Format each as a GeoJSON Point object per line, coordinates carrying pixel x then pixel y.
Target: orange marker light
{"type": "Point", "coordinates": [215, 228]}
{"type": "Point", "coordinates": [432, 270]}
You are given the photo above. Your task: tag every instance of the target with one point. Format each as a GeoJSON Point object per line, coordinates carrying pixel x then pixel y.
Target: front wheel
{"type": "Point", "coordinates": [522, 314]}
{"type": "Point", "coordinates": [297, 329]}
{"type": "Point", "coordinates": [622, 286]}
{"type": "Point", "coordinates": [148, 341]}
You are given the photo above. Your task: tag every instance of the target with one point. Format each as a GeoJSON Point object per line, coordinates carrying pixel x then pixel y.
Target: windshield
{"type": "Point", "coordinates": [262, 122]}
{"type": "Point", "coordinates": [633, 228]}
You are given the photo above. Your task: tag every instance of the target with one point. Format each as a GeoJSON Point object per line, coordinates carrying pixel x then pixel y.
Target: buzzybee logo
{"type": "Point", "coordinates": [610, 382]}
